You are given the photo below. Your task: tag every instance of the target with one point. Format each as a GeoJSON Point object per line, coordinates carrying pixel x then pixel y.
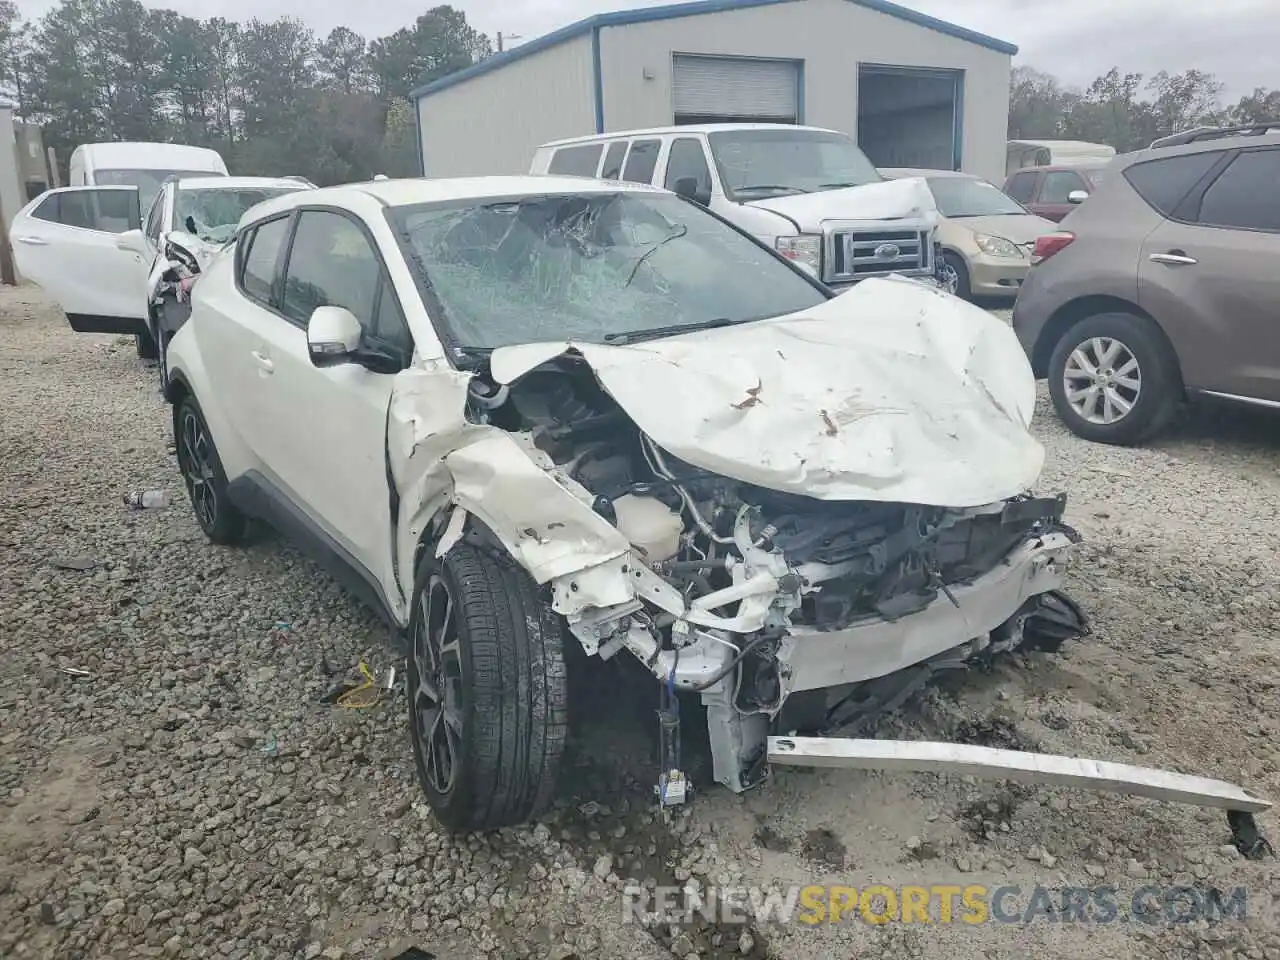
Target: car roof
{"type": "Point", "coordinates": [1228, 141]}
{"type": "Point", "coordinates": [404, 193]}
{"type": "Point", "coordinates": [1091, 165]}
{"type": "Point", "coordinates": [685, 129]}
{"type": "Point", "coordinates": [894, 173]}
{"type": "Point", "coordinates": [235, 183]}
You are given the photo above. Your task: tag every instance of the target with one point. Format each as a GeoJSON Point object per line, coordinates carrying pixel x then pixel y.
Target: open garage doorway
{"type": "Point", "coordinates": [910, 117]}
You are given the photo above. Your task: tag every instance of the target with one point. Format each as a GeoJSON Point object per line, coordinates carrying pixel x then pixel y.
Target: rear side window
{"type": "Point", "coordinates": [108, 211]}
{"type": "Point", "coordinates": [641, 161]}
{"type": "Point", "coordinates": [1165, 183]}
{"type": "Point", "coordinates": [576, 161]}
{"type": "Point", "coordinates": [258, 266]}
{"type": "Point", "coordinates": [1022, 186]}
{"type": "Point", "coordinates": [1245, 195]}
{"type": "Point", "coordinates": [613, 161]}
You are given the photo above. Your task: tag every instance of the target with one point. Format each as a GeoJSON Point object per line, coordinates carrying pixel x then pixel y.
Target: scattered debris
{"type": "Point", "coordinates": [147, 499]}
{"type": "Point", "coordinates": [82, 563]}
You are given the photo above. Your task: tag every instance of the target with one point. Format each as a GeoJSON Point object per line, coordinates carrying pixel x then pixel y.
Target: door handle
{"type": "Point", "coordinates": [34, 241]}
{"type": "Point", "coordinates": [263, 361]}
{"type": "Point", "coordinates": [1174, 258]}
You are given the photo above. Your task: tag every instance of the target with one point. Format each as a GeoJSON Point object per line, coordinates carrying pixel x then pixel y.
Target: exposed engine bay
{"type": "Point", "coordinates": [759, 599]}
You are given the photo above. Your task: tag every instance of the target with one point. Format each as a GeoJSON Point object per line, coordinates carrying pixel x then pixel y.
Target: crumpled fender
{"type": "Point", "coordinates": [437, 460]}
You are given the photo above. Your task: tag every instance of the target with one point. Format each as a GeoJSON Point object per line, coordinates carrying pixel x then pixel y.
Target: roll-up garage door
{"type": "Point", "coordinates": [708, 89]}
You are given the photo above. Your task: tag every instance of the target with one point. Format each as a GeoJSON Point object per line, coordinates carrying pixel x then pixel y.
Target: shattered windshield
{"type": "Point", "coordinates": [967, 197]}
{"type": "Point", "coordinates": [596, 267]}
{"type": "Point", "coordinates": [755, 164]}
{"type": "Point", "coordinates": [148, 182]}
{"type": "Point", "coordinates": [212, 213]}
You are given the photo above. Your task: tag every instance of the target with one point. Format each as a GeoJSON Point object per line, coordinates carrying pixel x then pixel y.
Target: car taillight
{"type": "Point", "coordinates": [1050, 244]}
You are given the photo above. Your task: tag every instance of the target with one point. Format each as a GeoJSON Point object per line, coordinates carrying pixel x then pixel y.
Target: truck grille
{"type": "Point", "coordinates": [858, 254]}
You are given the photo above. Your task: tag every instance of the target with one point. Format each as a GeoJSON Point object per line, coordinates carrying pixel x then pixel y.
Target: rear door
{"type": "Point", "coordinates": [1055, 187]}
{"type": "Point", "coordinates": [65, 243]}
{"type": "Point", "coordinates": [1208, 274]}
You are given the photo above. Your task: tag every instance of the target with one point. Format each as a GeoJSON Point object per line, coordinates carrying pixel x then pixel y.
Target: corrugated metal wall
{"type": "Point", "coordinates": [832, 37]}
{"type": "Point", "coordinates": [492, 123]}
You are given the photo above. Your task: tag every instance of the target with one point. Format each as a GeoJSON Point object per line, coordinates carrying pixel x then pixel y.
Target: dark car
{"type": "Point", "coordinates": [1162, 287]}
{"type": "Point", "coordinates": [1046, 191]}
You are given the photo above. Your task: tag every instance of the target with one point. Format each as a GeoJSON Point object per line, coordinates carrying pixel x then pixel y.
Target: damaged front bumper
{"type": "Point", "coordinates": [747, 664]}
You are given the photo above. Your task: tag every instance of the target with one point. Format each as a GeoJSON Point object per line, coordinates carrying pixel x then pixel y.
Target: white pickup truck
{"type": "Point", "coordinates": [809, 193]}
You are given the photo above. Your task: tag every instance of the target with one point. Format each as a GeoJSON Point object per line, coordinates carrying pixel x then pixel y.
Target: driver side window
{"type": "Point", "coordinates": [332, 262]}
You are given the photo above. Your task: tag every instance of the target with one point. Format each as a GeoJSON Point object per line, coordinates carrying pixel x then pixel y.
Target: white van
{"type": "Point", "coordinates": [1021, 154]}
{"type": "Point", "coordinates": [141, 165]}
{"type": "Point", "coordinates": [810, 194]}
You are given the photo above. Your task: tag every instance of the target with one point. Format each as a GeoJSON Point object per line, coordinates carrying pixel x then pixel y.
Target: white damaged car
{"type": "Point", "coordinates": [518, 413]}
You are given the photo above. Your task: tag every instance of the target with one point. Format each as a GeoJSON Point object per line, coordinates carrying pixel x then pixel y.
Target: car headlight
{"type": "Point", "coordinates": [996, 246]}
{"type": "Point", "coordinates": [804, 251]}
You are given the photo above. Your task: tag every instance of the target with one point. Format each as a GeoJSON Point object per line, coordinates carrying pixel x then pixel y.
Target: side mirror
{"type": "Point", "coordinates": [687, 187]}
{"type": "Point", "coordinates": [131, 241]}
{"type": "Point", "coordinates": [333, 335]}
{"type": "Point", "coordinates": [1077, 196]}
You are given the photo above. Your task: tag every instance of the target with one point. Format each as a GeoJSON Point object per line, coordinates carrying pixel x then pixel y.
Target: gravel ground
{"type": "Point", "coordinates": [172, 785]}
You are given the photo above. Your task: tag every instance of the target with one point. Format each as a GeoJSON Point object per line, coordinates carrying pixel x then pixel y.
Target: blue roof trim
{"type": "Point", "coordinates": [622, 18]}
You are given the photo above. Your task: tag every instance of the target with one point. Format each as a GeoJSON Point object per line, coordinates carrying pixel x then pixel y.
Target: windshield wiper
{"type": "Point", "coordinates": [770, 186]}
{"type": "Point", "coordinates": [653, 333]}
{"type": "Point", "coordinates": [837, 186]}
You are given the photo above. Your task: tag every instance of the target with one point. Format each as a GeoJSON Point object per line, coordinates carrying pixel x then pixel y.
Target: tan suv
{"type": "Point", "coordinates": [1164, 286]}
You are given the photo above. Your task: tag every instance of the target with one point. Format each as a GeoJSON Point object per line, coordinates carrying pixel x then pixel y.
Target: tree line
{"type": "Point", "coordinates": [1127, 110]}
{"type": "Point", "coordinates": [271, 96]}
{"type": "Point", "coordinates": [275, 98]}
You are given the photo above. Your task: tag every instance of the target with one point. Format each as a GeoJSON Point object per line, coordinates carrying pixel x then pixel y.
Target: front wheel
{"type": "Point", "coordinates": [955, 275]}
{"type": "Point", "coordinates": [488, 691]}
{"type": "Point", "coordinates": [1114, 379]}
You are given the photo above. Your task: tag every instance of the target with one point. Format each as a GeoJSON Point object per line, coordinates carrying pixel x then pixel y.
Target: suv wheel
{"type": "Point", "coordinates": [488, 691]}
{"type": "Point", "coordinates": [221, 521]}
{"type": "Point", "coordinates": [1114, 379]}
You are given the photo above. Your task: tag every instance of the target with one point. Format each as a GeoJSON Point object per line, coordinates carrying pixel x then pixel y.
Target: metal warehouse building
{"type": "Point", "coordinates": [915, 91]}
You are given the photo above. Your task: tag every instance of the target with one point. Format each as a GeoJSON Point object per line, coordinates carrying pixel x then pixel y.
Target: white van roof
{"type": "Point", "coordinates": [135, 155]}
{"type": "Point", "coordinates": [686, 129]}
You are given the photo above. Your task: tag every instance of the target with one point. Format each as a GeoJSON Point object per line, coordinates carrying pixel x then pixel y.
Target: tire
{"type": "Point", "coordinates": [955, 262]}
{"type": "Point", "coordinates": [504, 682]}
{"type": "Point", "coordinates": [145, 345]}
{"type": "Point", "coordinates": [221, 521]}
{"type": "Point", "coordinates": [1152, 405]}
{"type": "Point", "coordinates": [164, 367]}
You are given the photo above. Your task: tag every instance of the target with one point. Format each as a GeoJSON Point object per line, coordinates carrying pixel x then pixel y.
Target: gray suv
{"type": "Point", "coordinates": [1162, 285]}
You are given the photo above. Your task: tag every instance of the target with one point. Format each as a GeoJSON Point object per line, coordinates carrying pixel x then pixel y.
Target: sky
{"type": "Point", "coordinates": [1075, 40]}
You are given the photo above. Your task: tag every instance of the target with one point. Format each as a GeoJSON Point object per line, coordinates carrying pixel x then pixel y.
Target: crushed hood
{"type": "Point", "coordinates": [892, 391]}
{"type": "Point", "coordinates": [906, 199]}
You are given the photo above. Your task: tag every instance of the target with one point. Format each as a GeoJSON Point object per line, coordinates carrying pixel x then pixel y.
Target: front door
{"type": "Point", "coordinates": [65, 243]}
{"type": "Point", "coordinates": [1211, 280]}
{"type": "Point", "coordinates": [326, 426]}
{"type": "Point", "coordinates": [1055, 187]}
